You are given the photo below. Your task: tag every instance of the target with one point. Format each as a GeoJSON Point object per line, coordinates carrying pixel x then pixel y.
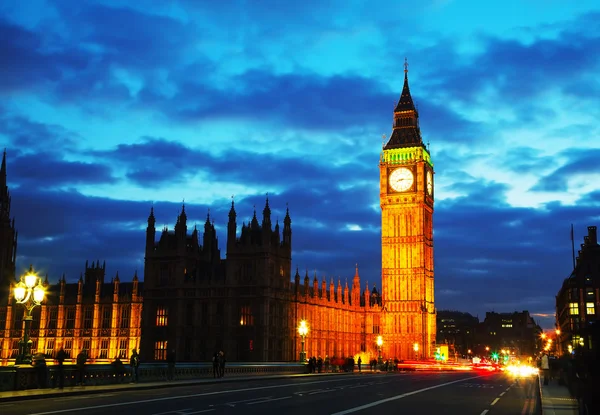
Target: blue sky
{"type": "Point", "coordinates": [108, 106]}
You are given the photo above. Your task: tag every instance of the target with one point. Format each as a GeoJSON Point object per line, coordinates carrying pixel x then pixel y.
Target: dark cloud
{"type": "Point", "coordinates": [581, 162]}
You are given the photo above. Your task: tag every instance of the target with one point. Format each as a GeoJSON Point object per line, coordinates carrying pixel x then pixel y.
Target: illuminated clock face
{"type": "Point", "coordinates": [429, 183]}
{"type": "Point", "coordinates": [401, 179]}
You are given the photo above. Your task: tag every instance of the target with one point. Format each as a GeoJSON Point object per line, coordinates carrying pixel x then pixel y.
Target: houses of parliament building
{"type": "Point", "coordinates": [250, 303]}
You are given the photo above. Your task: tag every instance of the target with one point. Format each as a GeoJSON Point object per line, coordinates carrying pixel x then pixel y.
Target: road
{"type": "Point", "coordinates": [380, 393]}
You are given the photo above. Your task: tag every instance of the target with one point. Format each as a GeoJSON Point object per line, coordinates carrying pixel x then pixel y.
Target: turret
{"type": "Point", "coordinates": [116, 286]}
{"type": "Point", "coordinates": [135, 286]}
{"type": "Point", "coordinates": [150, 232]}
{"type": "Point", "coordinates": [297, 281]}
{"type": "Point", "coordinates": [207, 237]}
{"type": "Point", "coordinates": [266, 223]}
{"type": "Point", "coordinates": [315, 286]}
{"type": "Point", "coordinates": [231, 228]}
{"type": "Point", "coordinates": [98, 290]}
{"type": "Point", "coordinates": [63, 285]}
{"type": "Point", "coordinates": [323, 288]}
{"type": "Point", "coordinates": [367, 296]}
{"type": "Point", "coordinates": [356, 288]}
{"type": "Point", "coordinates": [338, 296]}
{"type": "Point", "coordinates": [346, 291]}
{"type": "Point", "coordinates": [331, 290]}
{"type": "Point", "coordinates": [80, 288]}
{"type": "Point", "coordinates": [306, 280]}
{"type": "Point", "coordinates": [287, 229]}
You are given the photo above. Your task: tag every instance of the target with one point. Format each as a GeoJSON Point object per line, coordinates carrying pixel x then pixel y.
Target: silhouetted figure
{"type": "Point", "coordinates": [60, 358]}
{"type": "Point", "coordinates": [171, 359]}
{"type": "Point", "coordinates": [222, 364]}
{"type": "Point", "coordinates": [39, 363]}
{"type": "Point", "coordinates": [134, 363]}
{"type": "Point", "coordinates": [118, 369]}
{"type": "Point", "coordinates": [216, 365]}
{"type": "Point", "coordinates": [359, 364]}
{"type": "Point", "coordinates": [545, 368]}
{"type": "Point", "coordinates": [81, 361]}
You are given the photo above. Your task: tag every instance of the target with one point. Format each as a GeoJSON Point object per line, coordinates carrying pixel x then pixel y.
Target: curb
{"type": "Point", "coordinates": [116, 388]}
{"type": "Point", "coordinates": [540, 401]}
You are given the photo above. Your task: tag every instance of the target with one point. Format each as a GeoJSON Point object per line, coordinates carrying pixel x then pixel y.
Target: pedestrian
{"type": "Point", "coordinates": [39, 363]}
{"type": "Point", "coordinates": [222, 364]}
{"type": "Point", "coordinates": [216, 365]}
{"type": "Point", "coordinates": [81, 360]}
{"type": "Point", "coordinates": [359, 363]}
{"type": "Point", "coordinates": [545, 368]}
{"type": "Point", "coordinates": [134, 363]}
{"type": "Point", "coordinates": [60, 358]}
{"type": "Point", "coordinates": [171, 359]}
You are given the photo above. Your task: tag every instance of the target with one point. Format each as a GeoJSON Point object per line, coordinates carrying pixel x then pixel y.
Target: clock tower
{"type": "Point", "coordinates": [406, 197]}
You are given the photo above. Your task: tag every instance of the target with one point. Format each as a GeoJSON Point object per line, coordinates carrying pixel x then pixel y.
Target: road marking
{"type": "Point", "coordinates": [174, 411]}
{"type": "Point", "coordinates": [321, 391]}
{"type": "Point", "coordinates": [269, 400]}
{"type": "Point", "coordinates": [404, 395]}
{"type": "Point", "coordinates": [199, 412]}
{"type": "Point", "coordinates": [195, 395]}
{"type": "Point", "coordinates": [247, 400]}
{"type": "Point", "coordinates": [485, 411]}
{"type": "Point", "coordinates": [502, 394]}
{"type": "Point", "coordinates": [495, 401]}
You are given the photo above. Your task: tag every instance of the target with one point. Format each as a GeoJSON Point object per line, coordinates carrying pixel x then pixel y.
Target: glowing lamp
{"type": "Point", "coordinates": [469, 351]}
{"type": "Point", "coordinates": [543, 336]}
{"type": "Point", "coordinates": [303, 328]}
{"type": "Point", "coordinates": [30, 280]}
{"type": "Point", "coordinates": [38, 293]}
{"type": "Point", "coordinates": [416, 347]}
{"type": "Point", "coordinates": [558, 332]}
{"type": "Point", "coordinates": [20, 291]}
{"type": "Point", "coordinates": [379, 341]}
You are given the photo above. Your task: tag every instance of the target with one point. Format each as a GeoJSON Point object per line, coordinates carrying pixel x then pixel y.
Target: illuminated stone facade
{"type": "Point", "coordinates": [406, 195]}
{"type": "Point", "coordinates": [102, 318]}
{"type": "Point", "coordinates": [249, 305]}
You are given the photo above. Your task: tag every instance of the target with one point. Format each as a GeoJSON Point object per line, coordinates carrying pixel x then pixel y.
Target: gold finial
{"type": "Point", "coordinates": [405, 65]}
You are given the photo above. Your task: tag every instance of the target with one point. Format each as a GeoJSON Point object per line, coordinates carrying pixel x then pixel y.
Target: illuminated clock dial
{"type": "Point", "coordinates": [401, 179]}
{"type": "Point", "coordinates": [429, 183]}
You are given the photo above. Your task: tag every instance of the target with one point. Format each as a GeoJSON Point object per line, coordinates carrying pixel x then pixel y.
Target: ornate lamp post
{"type": "Point", "coordinates": [303, 331]}
{"type": "Point", "coordinates": [379, 344]}
{"type": "Point", "coordinates": [30, 292]}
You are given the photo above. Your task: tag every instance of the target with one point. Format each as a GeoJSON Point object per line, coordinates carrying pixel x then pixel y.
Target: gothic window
{"type": "Point", "coordinates": [104, 349]}
{"type": "Point", "coordinates": [52, 318]}
{"type": "Point", "coordinates": [160, 350]}
{"type": "Point", "coordinates": [68, 345]}
{"type": "Point", "coordinates": [70, 318]}
{"type": "Point", "coordinates": [122, 348]}
{"type": "Point", "coordinates": [88, 318]}
{"type": "Point", "coordinates": [106, 318]}
{"type": "Point", "coordinates": [87, 345]}
{"type": "Point", "coordinates": [246, 318]}
{"type": "Point", "coordinates": [50, 347]}
{"type": "Point", "coordinates": [125, 315]}
{"type": "Point", "coordinates": [18, 319]}
{"type": "Point", "coordinates": [163, 278]}
{"type": "Point", "coordinates": [15, 348]}
{"type": "Point", "coordinates": [162, 315]}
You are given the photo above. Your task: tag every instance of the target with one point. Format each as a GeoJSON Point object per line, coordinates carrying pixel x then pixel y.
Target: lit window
{"type": "Point", "coordinates": [160, 350]}
{"type": "Point", "coordinates": [589, 308]}
{"type": "Point", "coordinates": [246, 318]}
{"type": "Point", "coordinates": [573, 308]}
{"type": "Point", "coordinates": [162, 315]}
{"type": "Point", "coordinates": [507, 325]}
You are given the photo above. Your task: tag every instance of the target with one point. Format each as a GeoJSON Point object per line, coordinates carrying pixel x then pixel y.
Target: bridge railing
{"type": "Point", "coordinates": [29, 377]}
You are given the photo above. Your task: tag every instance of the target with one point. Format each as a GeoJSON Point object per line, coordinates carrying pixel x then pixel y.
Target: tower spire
{"type": "Point", "coordinates": [406, 131]}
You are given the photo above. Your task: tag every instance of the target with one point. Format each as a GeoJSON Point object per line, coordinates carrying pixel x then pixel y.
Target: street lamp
{"type": "Point", "coordinates": [30, 292]}
{"type": "Point", "coordinates": [416, 349]}
{"type": "Point", "coordinates": [303, 331]}
{"type": "Point", "coordinates": [379, 344]}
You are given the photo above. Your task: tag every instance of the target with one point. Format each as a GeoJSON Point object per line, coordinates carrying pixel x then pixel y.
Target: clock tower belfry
{"type": "Point", "coordinates": [406, 197]}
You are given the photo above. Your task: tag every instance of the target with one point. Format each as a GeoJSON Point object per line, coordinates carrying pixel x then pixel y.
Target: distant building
{"type": "Point", "coordinates": [515, 332]}
{"type": "Point", "coordinates": [578, 300]}
{"type": "Point", "coordinates": [458, 329]}
{"type": "Point", "coordinates": [8, 235]}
